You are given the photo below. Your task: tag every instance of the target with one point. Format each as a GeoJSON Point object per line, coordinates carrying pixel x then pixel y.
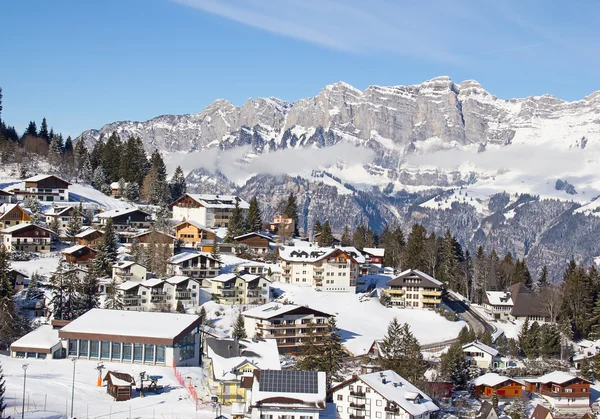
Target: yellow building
{"type": "Point", "coordinates": [12, 215]}
{"type": "Point", "coordinates": [195, 235]}
{"type": "Point", "coordinates": [413, 288]}
{"type": "Point", "coordinates": [229, 361]}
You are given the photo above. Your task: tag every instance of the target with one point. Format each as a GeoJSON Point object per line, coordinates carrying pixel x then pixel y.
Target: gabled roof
{"type": "Point", "coordinates": [398, 390]}
{"type": "Point", "coordinates": [499, 298]}
{"type": "Point", "coordinates": [556, 377]}
{"type": "Point", "coordinates": [146, 232]}
{"type": "Point", "coordinates": [275, 309]}
{"type": "Point", "coordinates": [215, 201]}
{"type": "Point", "coordinates": [485, 410]}
{"type": "Point", "coordinates": [425, 280]}
{"type": "Point", "coordinates": [6, 208]}
{"type": "Point", "coordinates": [150, 283]}
{"type": "Point", "coordinates": [19, 227]}
{"type": "Point", "coordinates": [118, 212]}
{"type": "Point", "coordinates": [87, 232]}
{"type": "Point", "coordinates": [5, 193]}
{"type": "Point", "coordinates": [540, 412]}
{"type": "Point", "coordinates": [223, 278]}
{"type": "Point", "coordinates": [37, 178]}
{"type": "Point", "coordinates": [119, 379]}
{"type": "Point", "coordinates": [491, 379]}
{"type": "Point", "coordinates": [482, 347]}
{"type": "Point", "coordinates": [195, 224]}
{"type": "Point", "coordinates": [315, 254]}
{"type": "Point", "coordinates": [42, 338]}
{"type": "Point", "coordinates": [526, 302]}
{"type": "Point", "coordinates": [229, 355]}
{"type": "Point", "coordinates": [374, 251]}
{"type": "Point", "coordinates": [178, 279]}
{"type": "Point", "coordinates": [128, 285]}
{"type": "Point", "coordinates": [76, 248]}
{"type": "Point", "coordinates": [183, 256]}
{"type": "Point", "coordinates": [263, 235]}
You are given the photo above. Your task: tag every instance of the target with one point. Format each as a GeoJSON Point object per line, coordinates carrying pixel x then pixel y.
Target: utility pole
{"type": "Point", "coordinates": [24, 382]}
{"type": "Point", "coordinates": [73, 386]}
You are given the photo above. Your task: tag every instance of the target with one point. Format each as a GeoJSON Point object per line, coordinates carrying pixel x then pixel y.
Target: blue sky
{"type": "Point", "coordinates": [82, 64]}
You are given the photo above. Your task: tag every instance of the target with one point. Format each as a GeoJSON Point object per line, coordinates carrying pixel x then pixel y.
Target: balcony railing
{"type": "Point", "coordinates": [360, 406]}
{"type": "Point", "coordinates": [432, 293]}
{"type": "Point", "coordinates": [358, 393]}
{"type": "Point", "coordinates": [392, 409]}
{"type": "Point", "coordinates": [157, 298]}
{"type": "Point", "coordinates": [395, 292]}
{"type": "Point", "coordinates": [183, 295]}
{"type": "Point", "coordinates": [574, 394]}
{"type": "Point", "coordinates": [431, 300]}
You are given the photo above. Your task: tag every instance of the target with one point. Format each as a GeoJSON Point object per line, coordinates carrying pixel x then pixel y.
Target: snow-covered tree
{"type": "Point", "coordinates": [32, 203]}
{"type": "Point", "coordinates": [113, 296]}
{"type": "Point", "coordinates": [2, 392]}
{"type": "Point", "coordinates": [75, 226]}
{"type": "Point", "coordinates": [400, 352]}
{"type": "Point", "coordinates": [239, 329]}
{"type": "Point", "coordinates": [177, 186]}
{"type": "Point", "coordinates": [122, 188]}
{"type": "Point", "coordinates": [98, 178]}
{"type": "Point", "coordinates": [107, 251]}
{"type": "Point", "coordinates": [132, 192]}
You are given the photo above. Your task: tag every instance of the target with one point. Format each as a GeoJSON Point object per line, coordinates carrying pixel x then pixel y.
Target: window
{"type": "Point", "coordinates": [104, 349]}
{"type": "Point", "coordinates": [149, 353]}
{"type": "Point", "coordinates": [137, 352]}
{"type": "Point", "coordinates": [94, 344]}
{"type": "Point", "coordinates": [31, 354]}
{"type": "Point", "coordinates": [377, 414]}
{"type": "Point", "coordinates": [340, 397]}
{"type": "Point", "coordinates": [20, 354]}
{"type": "Point", "coordinates": [83, 347]}
{"type": "Point", "coordinates": [42, 356]}
{"type": "Point", "coordinates": [116, 350]}
{"type": "Point", "coordinates": [127, 352]}
{"type": "Point", "coordinates": [72, 347]}
{"type": "Point", "coordinates": [378, 403]}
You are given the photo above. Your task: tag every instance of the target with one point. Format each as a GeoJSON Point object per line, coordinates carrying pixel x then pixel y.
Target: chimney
{"type": "Point", "coordinates": [383, 380]}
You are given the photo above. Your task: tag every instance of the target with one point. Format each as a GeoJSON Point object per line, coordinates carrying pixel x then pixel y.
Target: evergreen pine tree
{"type": "Point", "coordinates": [122, 190]}
{"type": "Point", "coordinates": [326, 238]}
{"type": "Point", "coordinates": [516, 410]}
{"type": "Point", "coordinates": [89, 291]}
{"type": "Point", "coordinates": [96, 155]}
{"type": "Point", "coordinates": [415, 244]}
{"type": "Point", "coordinates": [524, 336]}
{"type": "Point", "coordinates": [98, 178]}
{"type": "Point", "coordinates": [254, 217]}
{"type": "Point", "coordinates": [2, 381]}
{"type": "Point", "coordinates": [6, 289]}
{"type": "Point", "coordinates": [317, 227]}
{"type": "Point", "coordinates": [543, 280]}
{"type": "Point", "coordinates": [332, 353]}
{"type": "Point", "coordinates": [495, 401]}
{"type": "Point", "coordinates": [74, 226]}
{"type": "Point", "coordinates": [595, 321]}
{"type": "Point", "coordinates": [486, 338]}
{"type": "Point", "coordinates": [43, 133]}
{"type": "Point", "coordinates": [596, 365]}
{"type": "Point", "coordinates": [54, 226]}
{"type": "Point", "coordinates": [214, 251]}
{"type": "Point", "coordinates": [111, 158]}
{"type": "Point", "coordinates": [113, 296]}
{"type": "Point", "coordinates": [54, 153]}
{"type": "Point", "coordinates": [291, 211]}
{"type": "Point", "coordinates": [400, 352]}
{"type": "Point", "coordinates": [585, 370]}
{"type": "Point", "coordinates": [106, 252]}
{"type": "Point", "coordinates": [177, 186]}
{"type": "Point", "coordinates": [309, 356]}
{"type": "Point", "coordinates": [34, 207]}
{"type": "Point", "coordinates": [358, 237]}
{"type": "Point", "coordinates": [239, 329]}
{"type": "Point", "coordinates": [31, 129]}
{"type": "Point", "coordinates": [33, 290]}
{"type": "Point", "coordinates": [58, 300]}
{"type": "Point", "coordinates": [236, 224]}
{"type": "Point", "coordinates": [180, 308]}
{"type": "Point", "coordinates": [346, 238]}
{"type": "Point", "coordinates": [463, 335]}
{"type": "Point", "coordinates": [578, 298]}
{"type": "Point", "coordinates": [454, 367]}
{"type": "Point", "coordinates": [132, 192]}
{"type": "Point", "coordinates": [548, 341]}
{"type": "Point", "coordinates": [160, 188]}
{"type": "Point", "coordinates": [479, 278]}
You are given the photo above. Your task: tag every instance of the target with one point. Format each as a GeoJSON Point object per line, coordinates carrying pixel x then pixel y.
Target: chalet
{"type": "Point", "coordinates": [482, 355]}
{"type": "Point", "coordinates": [257, 242]}
{"type": "Point", "coordinates": [119, 385]}
{"type": "Point", "coordinates": [288, 394]}
{"type": "Point", "coordinates": [229, 361]}
{"type": "Point", "coordinates": [39, 343]}
{"type": "Point", "coordinates": [486, 411]}
{"type": "Point", "coordinates": [64, 215]}
{"type": "Point", "coordinates": [194, 265]}
{"type": "Point", "coordinates": [114, 188]}
{"type": "Point", "coordinates": [282, 226]}
{"type": "Point", "coordinates": [413, 288]}
{"type": "Point", "coordinates": [327, 269]}
{"type": "Point", "coordinates": [287, 323]}
{"type": "Point", "coordinates": [565, 392]}
{"type": "Point", "coordinates": [26, 238]}
{"type": "Point", "coordinates": [379, 395]}
{"type": "Point", "coordinates": [79, 254]}
{"type": "Point", "coordinates": [47, 188]}
{"type": "Point", "coordinates": [89, 237]}
{"type": "Point", "coordinates": [154, 236]}
{"type": "Point", "coordinates": [18, 280]}
{"type": "Point", "coordinates": [207, 210]}
{"type": "Point", "coordinates": [6, 197]}
{"type": "Point", "coordinates": [517, 303]}
{"type": "Point", "coordinates": [193, 234]}
{"type": "Point", "coordinates": [129, 271]}
{"type": "Point", "coordinates": [487, 385]}
{"type": "Point", "coordinates": [235, 288]}
{"type": "Point", "coordinates": [124, 219]}
{"type": "Point", "coordinates": [170, 339]}
{"type": "Point", "coordinates": [374, 255]}
{"type": "Point", "coordinates": [541, 412]}
{"type": "Point", "coordinates": [12, 215]}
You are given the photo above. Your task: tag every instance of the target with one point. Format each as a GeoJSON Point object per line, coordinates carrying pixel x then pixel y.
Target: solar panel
{"type": "Point", "coordinates": [289, 381]}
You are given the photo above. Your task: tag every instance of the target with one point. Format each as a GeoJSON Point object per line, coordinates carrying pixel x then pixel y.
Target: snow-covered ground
{"type": "Point", "coordinates": [511, 328]}
{"type": "Point", "coordinates": [49, 384]}
{"type": "Point", "coordinates": [44, 265]}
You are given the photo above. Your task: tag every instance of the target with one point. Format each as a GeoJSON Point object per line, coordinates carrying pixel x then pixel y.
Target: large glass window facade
{"type": "Point", "coordinates": [83, 347]}
{"type": "Point", "coordinates": [116, 350]}
{"type": "Point", "coordinates": [72, 347]}
{"type": "Point", "coordinates": [127, 352]}
{"type": "Point", "coordinates": [104, 349]}
{"type": "Point", "coordinates": [138, 352]}
{"type": "Point", "coordinates": [94, 347]}
{"type": "Point", "coordinates": [187, 347]}
{"type": "Point", "coordinates": [149, 353]}
{"type": "Point", "coordinates": [160, 353]}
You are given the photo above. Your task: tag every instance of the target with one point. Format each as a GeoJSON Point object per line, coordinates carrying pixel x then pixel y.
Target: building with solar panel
{"type": "Point", "coordinates": [382, 394]}
{"type": "Point", "coordinates": [288, 324]}
{"type": "Point", "coordinates": [287, 394]}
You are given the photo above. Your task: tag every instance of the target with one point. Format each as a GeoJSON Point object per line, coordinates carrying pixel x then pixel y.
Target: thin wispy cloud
{"type": "Point", "coordinates": [438, 30]}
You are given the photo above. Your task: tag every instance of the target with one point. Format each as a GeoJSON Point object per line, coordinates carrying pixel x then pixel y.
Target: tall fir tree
{"type": "Point", "coordinates": [400, 352]}
{"type": "Point", "coordinates": [358, 237]}
{"type": "Point", "coordinates": [317, 227]}
{"type": "Point", "coordinates": [332, 353]}
{"type": "Point", "coordinates": [454, 366]}
{"type": "Point", "coordinates": [214, 251]}
{"type": "Point", "coordinates": [239, 329]}
{"type": "Point", "coordinates": [594, 322]}
{"type": "Point", "coordinates": [326, 237]}
{"type": "Point", "coordinates": [291, 211]}
{"type": "Point", "coordinates": [346, 239]}
{"type": "Point", "coordinates": [111, 158]}
{"type": "Point", "coordinates": [75, 225]}
{"type": "Point", "coordinates": [113, 296]}
{"type": "Point", "coordinates": [90, 292]}
{"type": "Point", "coordinates": [254, 217]}
{"type": "Point", "coordinates": [99, 178]}
{"type": "Point", "coordinates": [160, 189]}
{"type": "Point", "coordinates": [178, 185]}
{"type": "Point", "coordinates": [31, 129]}
{"type": "Point", "coordinates": [107, 251]}
{"type": "Point", "coordinates": [2, 380]}
{"type": "Point", "coordinates": [543, 279]}
{"type": "Point", "coordinates": [578, 298]}
{"type": "Point", "coordinates": [6, 288]}
{"type": "Point", "coordinates": [585, 370]}
{"type": "Point", "coordinates": [309, 355]}
{"type": "Point", "coordinates": [44, 133]}
{"type": "Point", "coordinates": [480, 276]}
{"type": "Point", "coordinates": [415, 244]}
{"type": "Point", "coordinates": [236, 226]}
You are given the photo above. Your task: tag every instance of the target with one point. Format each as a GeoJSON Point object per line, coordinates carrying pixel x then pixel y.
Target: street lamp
{"type": "Point", "coordinates": [24, 382]}
{"type": "Point", "coordinates": [73, 386]}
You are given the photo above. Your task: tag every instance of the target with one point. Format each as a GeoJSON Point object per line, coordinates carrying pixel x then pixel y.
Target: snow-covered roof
{"type": "Point", "coordinates": [119, 212]}
{"type": "Point", "coordinates": [426, 280]}
{"type": "Point", "coordinates": [194, 223]}
{"type": "Point", "coordinates": [354, 253]}
{"type": "Point", "coordinates": [183, 256]}
{"type": "Point", "coordinates": [148, 231]}
{"type": "Point", "coordinates": [44, 337]}
{"type": "Point", "coordinates": [177, 279]}
{"type": "Point", "coordinates": [398, 390]}
{"type": "Point", "coordinates": [73, 249]}
{"type": "Point", "coordinates": [149, 283]}
{"type": "Point", "coordinates": [556, 377]}
{"type": "Point", "coordinates": [227, 357]}
{"type": "Point", "coordinates": [128, 285]}
{"type": "Point", "coordinates": [4, 208]}
{"type": "Point", "coordinates": [263, 235]}
{"type": "Point", "coordinates": [374, 251]}
{"type": "Point", "coordinates": [87, 232]}
{"type": "Point", "coordinates": [315, 254]}
{"type": "Point", "coordinates": [481, 346]}
{"type": "Point", "coordinates": [37, 178]}
{"type": "Point", "coordinates": [218, 201]}
{"type": "Point", "coordinates": [124, 264]}
{"type": "Point", "coordinates": [250, 277]}
{"type": "Point", "coordinates": [274, 309]}
{"type": "Point", "coordinates": [19, 227]}
{"type": "Point", "coordinates": [491, 379]}
{"type": "Point", "coordinates": [499, 298]}
{"type": "Point", "coordinates": [147, 324]}
{"type": "Point", "coordinates": [223, 278]}
{"type": "Point", "coordinates": [118, 382]}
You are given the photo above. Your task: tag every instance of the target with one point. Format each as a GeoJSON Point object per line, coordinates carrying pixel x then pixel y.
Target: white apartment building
{"type": "Point", "coordinates": [326, 268]}
{"type": "Point", "coordinates": [161, 294]}
{"type": "Point", "coordinates": [207, 210]}
{"type": "Point", "coordinates": [381, 395]}
{"type": "Point", "coordinates": [194, 264]}
{"type": "Point", "coordinates": [129, 270]}
{"type": "Point", "coordinates": [416, 289]}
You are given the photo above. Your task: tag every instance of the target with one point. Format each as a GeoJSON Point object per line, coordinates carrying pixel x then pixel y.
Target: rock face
{"type": "Point", "coordinates": [397, 123]}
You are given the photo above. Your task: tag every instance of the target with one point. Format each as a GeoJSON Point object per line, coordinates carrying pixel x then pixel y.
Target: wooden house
{"type": "Point", "coordinates": [18, 280]}
{"type": "Point", "coordinates": [12, 215]}
{"type": "Point", "coordinates": [486, 411]}
{"type": "Point", "coordinates": [257, 242]}
{"type": "Point", "coordinates": [147, 237]}
{"type": "Point", "coordinates": [193, 234]}
{"type": "Point", "coordinates": [26, 238]}
{"type": "Point", "coordinates": [119, 385]}
{"type": "Point", "coordinates": [504, 387]}
{"type": "Point", "coordinates": [90, 237]}
{"type": "Point", "coordinates": [541, 412]}
{"type": "Point", "coordinates": [562, 390]}
{"type": "Point", "coordinates": [47, 188]}
{"type": "Point", "coordinates": [124, 219]}
{"type": "Point", "coordinates": [79, 254]}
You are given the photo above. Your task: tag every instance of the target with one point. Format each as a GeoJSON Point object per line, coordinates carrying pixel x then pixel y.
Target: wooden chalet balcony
{"type": "Point", "coordinates": [158, 298]}
{"type": "Point", "coordinates": [395, 292]}
{"type": "Point", "coordinates": [431, 293]}
{"type": "Point", "coordinates": [318, 268]}
{"type": "Point", "coordinates": [572, 395]}
{"type": "Point", "coordinates": [431, 300]}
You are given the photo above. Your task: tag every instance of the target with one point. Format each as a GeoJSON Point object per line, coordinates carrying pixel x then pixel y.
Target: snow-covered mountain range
{"type": "Point", "coordinates": [440, 153]}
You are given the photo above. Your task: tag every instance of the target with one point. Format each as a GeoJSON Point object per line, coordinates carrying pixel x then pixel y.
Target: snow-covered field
{"type": "Point", "coordinates": [49, 384]}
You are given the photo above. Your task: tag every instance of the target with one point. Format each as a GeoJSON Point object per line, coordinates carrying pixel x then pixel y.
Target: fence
{"type": "Point", "coordinates": [190, 386]}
